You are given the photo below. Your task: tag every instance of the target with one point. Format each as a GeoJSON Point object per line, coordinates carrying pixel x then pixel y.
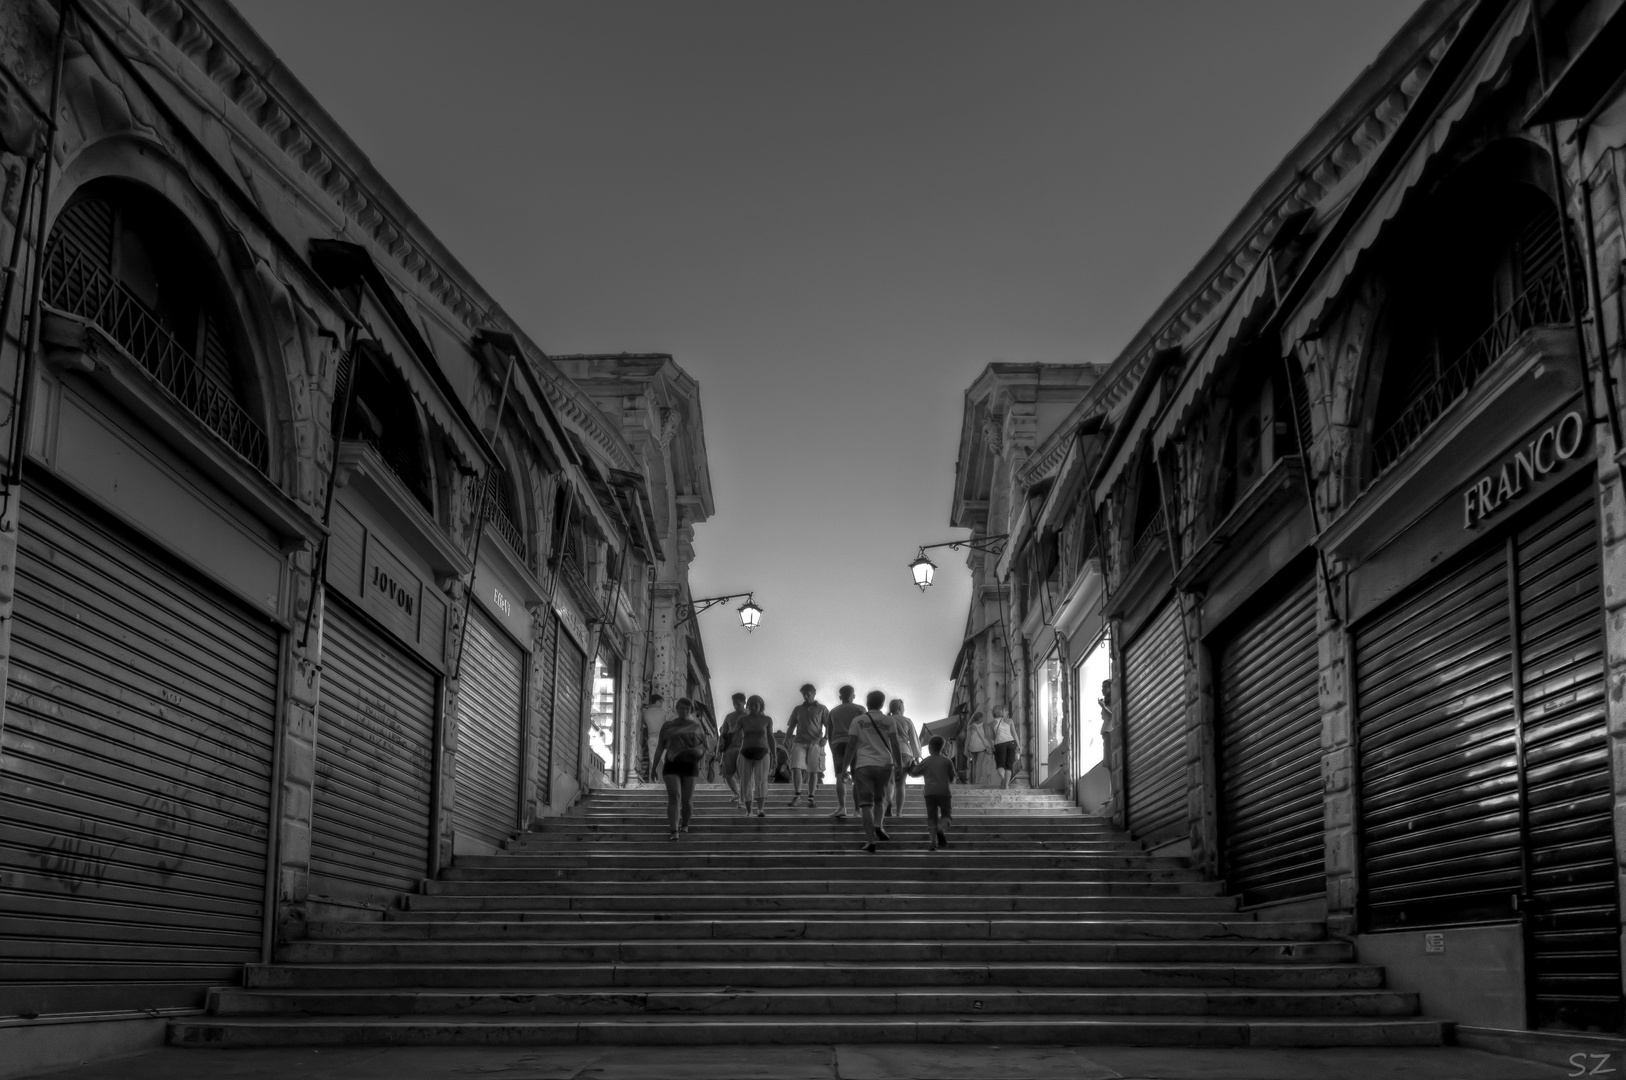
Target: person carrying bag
{"type": "Point", "coordinates": [873, 752]}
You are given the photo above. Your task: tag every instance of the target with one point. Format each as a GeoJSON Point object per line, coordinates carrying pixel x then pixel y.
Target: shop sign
{"type": "Point", "coordinates": [1528, 467]}
{"type": "Point", "coordinates": [571, 619]}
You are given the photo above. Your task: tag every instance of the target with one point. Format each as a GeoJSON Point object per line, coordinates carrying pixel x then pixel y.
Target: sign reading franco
{"type": "Point", "coordinates": [1530, 465]}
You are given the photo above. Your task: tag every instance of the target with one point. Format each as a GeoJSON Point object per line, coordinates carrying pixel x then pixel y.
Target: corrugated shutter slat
{"type": "Point", "coordinates": [1155, 726]}
{"type": "Point", "coordinates": [488, 732]}
{"type": "Point", "coordinates": [136, 779]}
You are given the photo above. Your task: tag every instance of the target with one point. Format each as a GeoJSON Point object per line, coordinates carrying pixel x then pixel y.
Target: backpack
{"type": "Point", "coordinates": [685, 747]}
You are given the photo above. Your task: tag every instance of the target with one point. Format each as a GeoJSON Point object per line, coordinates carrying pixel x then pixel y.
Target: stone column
{"type": "Point", "coordinates": [1202, 793]}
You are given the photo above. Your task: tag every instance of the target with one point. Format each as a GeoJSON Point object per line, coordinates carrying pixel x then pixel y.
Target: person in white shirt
{"type": "Point", "coordinates": [873, 752]}
{"type": "Point", "coordinates": [909, 739]}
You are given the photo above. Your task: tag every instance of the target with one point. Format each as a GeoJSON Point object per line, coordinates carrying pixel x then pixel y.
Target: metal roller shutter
{"type": "Point", "coordinates": [1438, 754]}
{"type": "Point", "coordinates": [375, 721]}
{"type": "Point", "coordinates": [136, 780]}
{"type": "Point", "coordinates": [488, 732]}
{"type": "Point", "coordinates": [567, 707]}
{"type": "Point", "coordinates": [1155, 728]}
{"type": "Point", "coordinates": [1270, 753]}
{"type": "Point", "coordinates": [1572, 906]}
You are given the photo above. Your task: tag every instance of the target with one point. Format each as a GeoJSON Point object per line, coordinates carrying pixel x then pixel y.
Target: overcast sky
{"type": "Point", "coordinates": [833, 214]}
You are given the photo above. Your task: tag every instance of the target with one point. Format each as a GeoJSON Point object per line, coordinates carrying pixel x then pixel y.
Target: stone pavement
{"type": "Point", "coordinates": [868, 1062]}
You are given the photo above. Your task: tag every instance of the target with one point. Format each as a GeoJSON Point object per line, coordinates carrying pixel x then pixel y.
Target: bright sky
{"type": "Point", "coordinates": [833, 214]}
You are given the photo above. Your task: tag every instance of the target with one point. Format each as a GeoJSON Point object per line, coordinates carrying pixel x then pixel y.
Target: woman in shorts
{"type": "Point", "coordinates": [681, 744]}
{"type": "Point", "coordinates": [1004, 740]}
{"type": "Point", "coordinates": [756, 754]}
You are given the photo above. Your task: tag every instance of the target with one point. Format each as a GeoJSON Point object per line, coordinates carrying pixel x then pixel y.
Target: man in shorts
{"type": "Point", "coordinates": [873, 752]}
{"type": "Point", "coordinates": [840, 717]}
{"type": "Point", "coordinates": [807, 739]}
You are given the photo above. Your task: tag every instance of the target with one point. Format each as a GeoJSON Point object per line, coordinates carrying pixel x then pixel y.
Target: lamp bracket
{"type": "Point", "coordinates": [685, 612]}
{"type": "Point", "coordinates": [987, 545]}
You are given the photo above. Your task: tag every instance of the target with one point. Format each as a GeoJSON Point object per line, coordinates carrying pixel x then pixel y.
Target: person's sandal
{"type": "Point", "coordinates": [868, 849]}
{"type": "Point", "coordinates": [880, 834]}
{"type": "Point", "coordinates": [674, 836]}
{"type": "Point", "coordinates": [942, 838]}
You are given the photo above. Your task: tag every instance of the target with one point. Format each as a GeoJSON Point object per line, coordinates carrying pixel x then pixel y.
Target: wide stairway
{"type": "Point", "coordinates": [1039, 925]}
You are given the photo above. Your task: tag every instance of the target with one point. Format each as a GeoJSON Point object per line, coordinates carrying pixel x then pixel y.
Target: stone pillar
{"type": "Point", "coordinates": [1202, 793]}
{"type": "Point", "coordinates": [1112, 729]}
{"type": "Point", "coordinates": [666, 665]}
{"type": "Point", "coordinates": [445, 763]}
{"type": "Point", "coordinates": [296, 729]}
{"type": "Point", "coordinates": [1338, 765]}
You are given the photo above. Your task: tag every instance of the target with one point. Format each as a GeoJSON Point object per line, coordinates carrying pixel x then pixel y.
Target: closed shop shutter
{"type": "Point", "coordinates": [488, 732]}
{"type": "Point", "coordinates": [543, 662]}
{"type": "Point", "coordinates": [567, 707]}
{"type": "Point", "coordinates": [1450, 697]}
{"type": "Point", "coordinates": [1155, 728]}
{"type": "Point", "coordinates": [374, 751]}
{"type": "Point", "coordinates": [1270, 753]}
{"type": "Point", "coordinates": [136, 779]}
{"type": "Point", "coordinates": [1573, 906]}
{"type": "Point", "coordinates": [1439, 767]}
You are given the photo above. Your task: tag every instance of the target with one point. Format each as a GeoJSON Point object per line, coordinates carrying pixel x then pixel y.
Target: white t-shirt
{"type": "Point", "coordinates": [872, 732]}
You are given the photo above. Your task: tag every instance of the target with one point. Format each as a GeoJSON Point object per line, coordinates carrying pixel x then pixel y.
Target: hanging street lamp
{"type": "Point", "coordinates": [750, 611]}
{"type": "Point", "coordinates": [923, 568]}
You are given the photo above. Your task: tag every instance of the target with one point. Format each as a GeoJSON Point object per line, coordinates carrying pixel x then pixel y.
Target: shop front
{"type": "Point", "coordinates": [488, 799]}
{"type": "Point", "coordinates": [1485, 789]}
{"type": "Point", "coordinates": [377, 722]}
{"type": "Point", "coordinates": [1154, 693]}
{"type": "Point", "coordinates": [570, 637]}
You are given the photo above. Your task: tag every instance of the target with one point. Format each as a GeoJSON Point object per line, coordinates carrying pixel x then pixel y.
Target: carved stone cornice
{"type": "Point", "coordinates": [576, 408]}
{"type": "Point", "coordinates": [1045, 463]}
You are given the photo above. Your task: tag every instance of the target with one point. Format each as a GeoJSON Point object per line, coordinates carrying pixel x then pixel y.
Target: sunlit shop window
{"type": "Point", "coordinates": [606, 685]}
{"type": "Point", "coordinates": [1092, 674]}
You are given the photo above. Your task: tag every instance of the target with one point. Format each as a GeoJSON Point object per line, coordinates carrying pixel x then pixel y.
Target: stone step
{"type": "Point", "coordinates": [1273, 948]}
{"type": "Point", "coordinates": [819, 929]}
{"type": "Point", "coordinates": [1334, 971]}
{"type": "Point", "coordinates": [656, 842]}
{"type": "Point", "coordinates": [1159, 1031]}
{"type": "Point", "coordinates": [879, 1001]}
{"type": "Point", "coordinates": [631, 815]}
{"type": "Point", "coordinates": [872, 869]}
{"type": "Point", "coordinates": [890, 903]}
{"type": "Point", "coordinates": [771, 833]}
{"type": "Point", "coordinates": [862, 885]}
{"type": "Point", "coordinates": [517, 866]}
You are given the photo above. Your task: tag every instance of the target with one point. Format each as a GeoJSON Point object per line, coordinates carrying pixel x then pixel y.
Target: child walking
{"type": "Point", "coordinates": [939, 773]}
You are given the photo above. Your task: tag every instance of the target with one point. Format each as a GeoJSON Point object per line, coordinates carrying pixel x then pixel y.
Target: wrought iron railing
{"type": "Point", "coordinates": [1545, 301]}
{"type": "Point", "coordinates": [1149, 537]}
{"type": "Point", "coordinates": [497, 516]}
{"type": "Point", "coordinates": [575, 582]}
{"type": "Point", "coordinates": [73, 283]}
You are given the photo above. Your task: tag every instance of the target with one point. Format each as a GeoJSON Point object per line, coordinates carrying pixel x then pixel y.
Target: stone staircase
{"type": "Point", "coordinates": [1039, 925]}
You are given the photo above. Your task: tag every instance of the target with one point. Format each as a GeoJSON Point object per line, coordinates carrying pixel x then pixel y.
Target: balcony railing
{"type": "Point", "coordinates": [1149, 537]}
{"type": "Point", "coordinates": [1546, 301]}
{"type": "Point", "coordinates": [74, 284]}
{"type": "Point", "coordinates": [497, 516]}
{"type": "Point", "coordinates": [575, 582]}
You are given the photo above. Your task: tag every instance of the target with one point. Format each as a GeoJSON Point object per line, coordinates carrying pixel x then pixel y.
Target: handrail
{"type": "Point", "coordinates": [75, 285]}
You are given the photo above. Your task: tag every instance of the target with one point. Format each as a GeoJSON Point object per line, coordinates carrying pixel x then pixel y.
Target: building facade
{"type": "Point", "coordinates": [1352, 497]}
{"type": "Point", "coordinates": [315, 570]}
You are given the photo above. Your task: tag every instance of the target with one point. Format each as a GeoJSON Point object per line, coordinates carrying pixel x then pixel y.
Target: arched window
{"type": "Point", "coordinates": [1148, 518]}
{"type": "Point", "coordinates": [1479, 264]}
{"type": "Point", "coordinates": [125, 259]}
{"type": "Point", "coordinates": [502, 508]}
{"type": "Point", "coordinates": [384, 416]}
{"type": "Point", "coordinates": [1263, 428]}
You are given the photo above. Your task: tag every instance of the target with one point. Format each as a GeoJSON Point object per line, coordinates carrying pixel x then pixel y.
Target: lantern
{"type": "Point", "coordinates": [750, 615]}
{"type": "Point", "coordinates": [923, 568]}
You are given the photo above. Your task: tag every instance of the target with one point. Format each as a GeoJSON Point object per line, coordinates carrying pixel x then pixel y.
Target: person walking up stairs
{"type": "Point", "coordinates": [1041, 925]}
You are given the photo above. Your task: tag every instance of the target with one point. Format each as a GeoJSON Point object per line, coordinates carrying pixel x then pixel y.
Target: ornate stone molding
{"type": "Point", "coordinates": [239, 78]}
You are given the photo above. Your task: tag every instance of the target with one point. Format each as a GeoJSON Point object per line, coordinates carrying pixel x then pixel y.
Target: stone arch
{"type": "Point", "coordinates": [1484, 247]}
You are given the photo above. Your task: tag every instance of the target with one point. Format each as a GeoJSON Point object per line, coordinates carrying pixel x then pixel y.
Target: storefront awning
{"type": "Point", "coordinates": [1211, 343]}
{"type": "Point", "coordinates": [1303, 321]}
{"type": "Point", "coordinates": [1127, 449]}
